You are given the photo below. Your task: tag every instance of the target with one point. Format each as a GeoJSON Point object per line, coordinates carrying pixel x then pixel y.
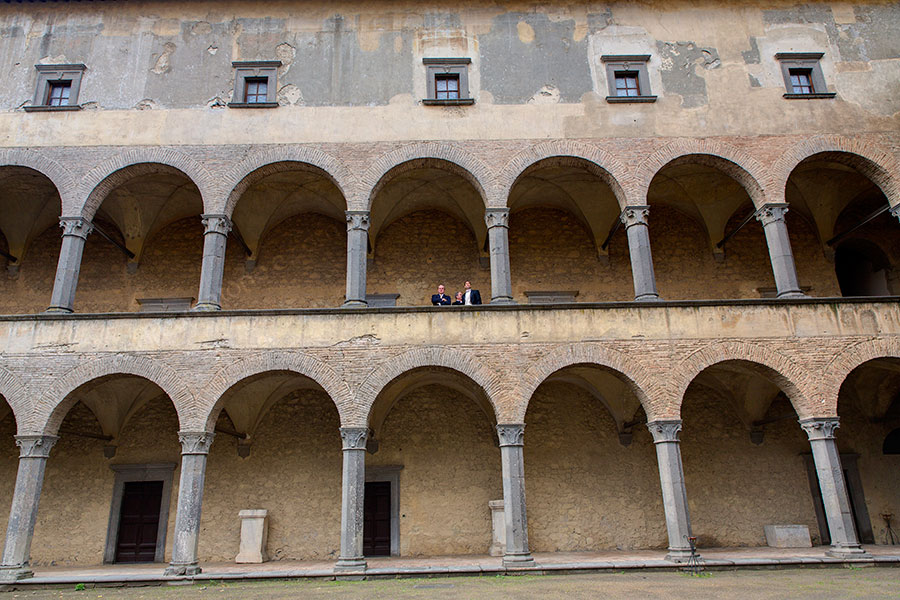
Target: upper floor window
{"type": "Point", "coordinates": [447, 81]}
{"type": "Point", "coordinates": [627, 78]}
{"type": "Point", "coordinates": [57, 87]}
{"type": "Point", "coordinates": [255, 84]}
{"type": "Point", "coordinates": [802, 75]}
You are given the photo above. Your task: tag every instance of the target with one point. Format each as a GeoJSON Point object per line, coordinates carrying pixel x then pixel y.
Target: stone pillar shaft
{"type": "Point", "coordinates": [635, 220]}
{"type": "Point", "coordinates": [787, 285]}
{"type": "Point", "coordinates": [194, 450]}
{"type": "Point", "coordinates": [215, 238]}
{"type": "Point", "coordinates": [357, 247]}
{"type": "Point", "coordinates": [75, 232]}
{"type": "Point", "coordinates": [671, 480]}
{"type": "Point", "coordinates": [352, 499]}
{"type": "Point", "coordinates": [512, 439]}
{"type": "Point", "coordinates": [33, 453]}
{"type": "Point", "coordinates": [497, 220]}
{"type": "Point", "coordinates": [832, 486]}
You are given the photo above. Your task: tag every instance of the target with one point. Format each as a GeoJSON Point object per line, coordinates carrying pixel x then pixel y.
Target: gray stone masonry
{"type": "Point", "coordinates": [215, 237]}
{"type": "Point", "coordinates": [844, 543]}
{"type": "Point", "coordinates": [635, 220]}
{"type": "Point", "coordinates": [352, 498]}
{"type": "Point", "coordinates": [194, 450]}
{"type": "Point", "coordinates": [497, 220]}
{"type": "Point", "coordinates": [671, 480]}
{"type": "Point", "coordinates": [772, 218]}
{"type": "Point", "coordinates": [75, 232]}
{"type": "Point", "coordinates": [33, 453]}
{"type": "Point", "coordinates": [357, 247]}
{"type": "Point", "coordinates": [512, 439]}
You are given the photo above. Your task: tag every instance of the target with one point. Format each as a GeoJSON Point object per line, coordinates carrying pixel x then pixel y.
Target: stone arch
{"type": "Point", "coordinates": [607, 167]}
{"type": "Point", "coordinates": [843, 363]}
{"type": "Point", "coordinates": [14, 392]}
{"type": "Point", "coordinates": [102, 179]}
{"type": "Point", "coordinates": [413, 156]}
{"type": "Point", "coordinates": [740, 165]}
{"type": "Point", "coordinates": [58, 175]}
{"type": "Point", "coordinates": [793, 380]}
{"type": "Point", "coordinates": [876, 163]}
{"type": "Point", "coordinates": [210, 401]}
{"type": "Point", "coordinates": [428, 356]}
{"type": "Point", "coordinates": [282, 158]}
{"type": "Point", "coordinates": [53, 405]}
{"type": "Point", "coordinates": [645, 386]}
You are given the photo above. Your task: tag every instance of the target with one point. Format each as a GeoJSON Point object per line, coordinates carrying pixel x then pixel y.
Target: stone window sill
{"type": "Point", "coordinates": [454, 102]}
{"type": "Point", "coordinates": [252, 105]}
{"type": "Point", "coordinates": [52, 108]}
{"type": "Point", "coordinates": [629, 99]}
{"type": "Point", "coordinates": [810, 96]}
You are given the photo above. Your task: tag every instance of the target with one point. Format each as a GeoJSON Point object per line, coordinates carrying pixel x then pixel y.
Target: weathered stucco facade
{"type": "Point", "coordinates": [238, 303]}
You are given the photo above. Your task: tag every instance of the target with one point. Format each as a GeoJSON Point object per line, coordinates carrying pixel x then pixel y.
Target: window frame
{"type": "Point", "coordinates": [254, 69]}
{"type": "Point", "coordinates": [54, 74]}
{"type": "Point", "coordinates": [807, 61]}
{"type": "Point", "coordinates": [458, 67]}
{"type": "Point", "coordinates": [627, 63]}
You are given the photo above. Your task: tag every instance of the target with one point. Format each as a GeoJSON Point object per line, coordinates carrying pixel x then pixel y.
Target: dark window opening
{"type": "Point", "coordinates": [257, 90]}
{"type": "Point", "coordinates": [58, 93]}
{"type": "Point", "coordinates": [627, 84]}
{"type": "Point", "coordinates": [801, 81]}
{"type": "Point", "coordinates": [892, 443]}
{"type": "Point", "coordinates": [446, 87]}
{"type": "Point", "coordinates": [862, 269]}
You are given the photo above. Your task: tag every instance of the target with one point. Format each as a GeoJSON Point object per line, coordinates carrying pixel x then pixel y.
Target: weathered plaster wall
{"type": "Point", "coordinates": [451, 470]}
{"type": "Point", "coordinates": [584, 490]}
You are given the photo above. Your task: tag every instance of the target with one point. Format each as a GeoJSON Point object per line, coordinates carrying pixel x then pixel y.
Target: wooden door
{"type": "Point", "coordinates": [139, 521]}
{"type": "Point", "coordinates": [377, 519]}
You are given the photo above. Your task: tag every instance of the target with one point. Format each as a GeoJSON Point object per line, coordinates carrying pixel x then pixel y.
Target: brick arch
{"type": "Point", "coordinates": [411, 156]}
{"type": "Point", "coordinates": [282, 158]}
{"type": "Point", "coordinates": [211, 397]}
{"type": "Point", "coordinates": [842, 364]}
{"type": "Point", "coordinates": [14, 392]}
{"type": "Point", "coordinates": [54, 404]}
{"type": "Point", "coordinates": [605, 165]}
{"type": "Point", "coordinates": [793, 380]}
{"type": "Point", "coordinates": [428, 356]}
{"type": "Point", "coordinates": [645, 386]}
{"type": "Point", "coordinates": [872, 161]}
{"type": "Point", "coordinates": [736, 163]}
{"type": "Point", "coordinates": [58, 175]}
{"type": "Point", "coordinates": [102, 179]}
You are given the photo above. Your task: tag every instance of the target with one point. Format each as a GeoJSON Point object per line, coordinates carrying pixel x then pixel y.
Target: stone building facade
{"type": "Point", "coordinates": [683, 217]}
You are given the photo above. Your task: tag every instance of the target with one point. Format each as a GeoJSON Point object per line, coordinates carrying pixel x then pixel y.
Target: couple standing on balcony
{"type": "Point", "coordinates": [468, 298]}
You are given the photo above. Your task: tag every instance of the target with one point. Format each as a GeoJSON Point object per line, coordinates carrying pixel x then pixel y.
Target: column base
{"type": "Point", "coordinates": [681, 555]}
{"type": "Point", "coordinates": [345, 565]}
{"type": "Point", "coordinates": [189, 570]}
{"type": "Point", "coordinates": [59, 309]}
{"type": "Point", "coordinates": [518, 561]}
{"type": "Point", "coordinates": [15, 573]}
{"type": "Point", "coordinates": [791, 294]}
{"type": "Point", "coordinates": [847, 552]}
{"type": "Point", "coordinates": [647, 298]}
{"type": "Point", "coordinates": [206, 306]}
{"type": "Point", "coordinates": [355, 304]}
{"type": "Point", "coordinates": [503, 300]}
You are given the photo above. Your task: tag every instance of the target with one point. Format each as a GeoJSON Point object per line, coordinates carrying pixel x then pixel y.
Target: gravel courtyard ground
{"type": "Point", "coordinates": [818, 584]}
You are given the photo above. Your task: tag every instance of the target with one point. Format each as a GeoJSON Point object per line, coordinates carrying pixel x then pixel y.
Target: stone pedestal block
{"type": "Point", "coordinates": [254, 534]}
{"type": "Point", "coordinates": [498, 528]}
{"type": "Point", "coordinates": [788, 536]}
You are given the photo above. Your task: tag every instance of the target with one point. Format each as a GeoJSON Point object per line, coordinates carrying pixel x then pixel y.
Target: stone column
{"type": "Point", "coordinates": [844, 543]}
{"type": "Point", "coordinates": [75, 232]}
{"type": "Point", "coordinates": [772, 218]}
{"type": "Point", "coordinates": [357, 247]}
{"type": "Point", "coordinates": [352, 499]}
{"type": "Point", "coordinates": [497, 220]}
{"type": "Point", "coordinates": [512, 440]}
{"type": "Point", "coordinates": [896, 211]}
{"type": "Point", "coordinates": [33, 453]}
{"type": "Point", "coordinates": [215, 236]}
{"type": "Point", "coordinates": [671, 480]}
{"type": "Point", "coordinates": [194, 450]}
{"type": "Point", "coordinates": [635, 220]}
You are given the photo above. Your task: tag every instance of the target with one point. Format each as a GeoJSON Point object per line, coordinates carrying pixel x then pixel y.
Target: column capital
{"type": "Point", "coordinates": [895, 210]}
{"type": "Point", "coordinates": [634, 215]}
{"type": "Point", "coordinates": [665, 431]}
{"type": "Point", "coordinates": [77, 226]}
{"type": "Point", "coordinates": [496, 217]}
{"type": "Point", "coordinates": [354, 438]}
{"type": "Point", "coordinates": [511, 434]}
{"type": "Point", "coordinates": [35, 446]}
{"type": "Point", "coordinates": [220, 224]}
{"type": "Point", "coordinates": [820, 428]}
{"type": "Point", "coordinates": [357, 220]}
{"type": "Point", "coordinates": [769, 213]}
{"type": "Point", "coordinates": [195, 442]}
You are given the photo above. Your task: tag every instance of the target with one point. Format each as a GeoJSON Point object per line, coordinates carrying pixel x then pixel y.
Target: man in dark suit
{"type": "Point", "coordinates": [440, 299]}
{"type": "Point", "coordinates": [470, 296]}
